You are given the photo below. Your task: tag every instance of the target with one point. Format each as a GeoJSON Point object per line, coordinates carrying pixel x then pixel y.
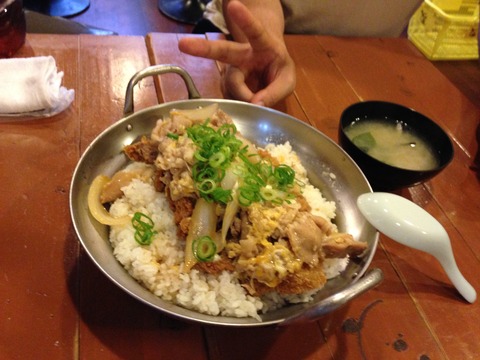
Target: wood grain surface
{"type": "Point", "coordinates": [56, 303]}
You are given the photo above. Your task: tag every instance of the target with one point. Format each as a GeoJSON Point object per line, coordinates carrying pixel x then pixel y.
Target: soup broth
{"type": "Point", "coordinates": [392, 143]}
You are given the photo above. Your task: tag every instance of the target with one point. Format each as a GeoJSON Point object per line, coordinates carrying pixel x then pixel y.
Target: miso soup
{"type": "Point", "coordinates": [392, 143]}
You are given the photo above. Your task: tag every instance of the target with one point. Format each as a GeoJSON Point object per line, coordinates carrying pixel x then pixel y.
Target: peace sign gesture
{"type": "Point", "coordinates": [259, 68]}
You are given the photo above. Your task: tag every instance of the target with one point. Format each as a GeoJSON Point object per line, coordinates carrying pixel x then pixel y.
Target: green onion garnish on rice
{"type": "Point", "coordinates": [204, 248]}
{"type": "Point", "coordinates": [143, 226]}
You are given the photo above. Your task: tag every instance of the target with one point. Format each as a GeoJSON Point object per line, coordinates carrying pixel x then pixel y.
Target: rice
{"type": "Point", "coordinates": [159, 266]}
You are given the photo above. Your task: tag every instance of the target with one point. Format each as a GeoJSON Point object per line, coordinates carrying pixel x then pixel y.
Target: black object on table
{"type": "Point", "coordinates": [63, 8]}
{"type": "Point", "coordinates": [38, 23]}
{"type": "Point", "coordinates": [187, 11]}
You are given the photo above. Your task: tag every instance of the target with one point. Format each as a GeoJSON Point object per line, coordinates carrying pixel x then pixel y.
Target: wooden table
{"type": "Point", "coordinates": [56, 304]}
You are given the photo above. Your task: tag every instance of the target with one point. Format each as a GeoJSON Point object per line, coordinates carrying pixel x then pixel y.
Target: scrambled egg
{"type": "Point", "coordinates": [267, 262]}
{"type": "Point", "coordinates": [272, 265]}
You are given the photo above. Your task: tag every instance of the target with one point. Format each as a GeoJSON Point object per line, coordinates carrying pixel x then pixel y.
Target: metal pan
{"type": "Point", "coordinates": [329, 168]}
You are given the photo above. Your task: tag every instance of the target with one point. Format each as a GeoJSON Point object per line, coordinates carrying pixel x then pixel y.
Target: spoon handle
{"type": "Point", "coordinates": [461, 284]}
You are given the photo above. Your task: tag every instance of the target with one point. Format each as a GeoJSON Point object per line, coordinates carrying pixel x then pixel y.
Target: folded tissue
{"type": "Point", "coordinates": [32, 87]}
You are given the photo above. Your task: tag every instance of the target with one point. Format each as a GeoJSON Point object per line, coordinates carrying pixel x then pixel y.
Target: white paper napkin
{"type": "Point", "coordinates": [32, 87]}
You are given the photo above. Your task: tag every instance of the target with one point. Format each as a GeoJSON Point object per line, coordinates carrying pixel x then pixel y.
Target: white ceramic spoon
{"type": "Point", "coordinates": [410, 225]}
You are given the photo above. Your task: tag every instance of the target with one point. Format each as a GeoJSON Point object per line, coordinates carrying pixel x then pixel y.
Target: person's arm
{"type": "Point", "coordinates": [260, 69]}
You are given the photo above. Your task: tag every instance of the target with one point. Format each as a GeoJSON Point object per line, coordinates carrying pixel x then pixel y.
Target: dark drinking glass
{"type": "Point", "coordinates": [12, 27]}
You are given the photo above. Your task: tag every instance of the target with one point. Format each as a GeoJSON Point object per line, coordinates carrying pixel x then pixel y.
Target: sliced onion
{"type": "Point", "coordinates": [230, 212]}
{"type": "Point", "coordinates": [203, 223]}
{"type": "Point", "coordinates": [95, 206]}
{"type": "Point", "coordinates": [199, 114]}
{"type": "Point", "coordinates": [230, 178]}
{"type": "Point", "coordinates": [112, 189]}
{"type": "Point", "coordinates": [229, 182]}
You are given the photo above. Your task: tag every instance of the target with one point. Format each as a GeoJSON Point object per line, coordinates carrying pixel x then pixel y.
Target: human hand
{"type": "Point", "coordinates": [259, 71]}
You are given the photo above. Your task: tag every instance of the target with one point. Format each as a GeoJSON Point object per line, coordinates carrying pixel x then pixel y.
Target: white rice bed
{"type": "Point", "coordinates": [159, 266]}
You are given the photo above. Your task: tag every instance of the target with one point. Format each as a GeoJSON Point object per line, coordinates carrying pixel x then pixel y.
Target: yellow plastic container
{"type": "Point", "coordinates": [446, 29]}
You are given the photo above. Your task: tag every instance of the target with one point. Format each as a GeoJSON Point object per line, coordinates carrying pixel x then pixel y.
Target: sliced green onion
{"type": "Point", "coordinates": [173, 136]}
{"type": "Point", "coordinates": [216, 149]}
{"type": "Point", "coordinates": [284, 175]}
{"type": "Point", "coordinates": [268, 194]}
{"type": "Point", "coordinates": [199, 156]}
{"type": "Point", "coordinates": [221, 195]}
{"type": "Point", "coordinates": [207, 186]}
{"type": "Point", "coordinates": [227, 130]}
{"type": "Point", "coordinates": [143, 226]}
{"type": "Point", "coordinates": [200, 172]}
{"type": "Point", "coordinates": [217, 159]}
{"type": "Point", "coordinates": [248, 195]}
{"type": "Point", "coordinates": [227, 151]}
{"type": "Point", "coordinates": [204, 248]}
{"type": "Point", "coordinates": [265, 169]}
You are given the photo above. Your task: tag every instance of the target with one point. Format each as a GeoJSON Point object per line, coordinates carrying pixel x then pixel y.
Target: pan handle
{"type": "Point", "coordinates": [371, 279]}
{"type": "Point", "coordinates": [158, 70]}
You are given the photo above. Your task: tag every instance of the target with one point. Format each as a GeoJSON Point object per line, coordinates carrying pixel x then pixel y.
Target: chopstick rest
{"type": "Point", "coordinates": [32, 87]}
